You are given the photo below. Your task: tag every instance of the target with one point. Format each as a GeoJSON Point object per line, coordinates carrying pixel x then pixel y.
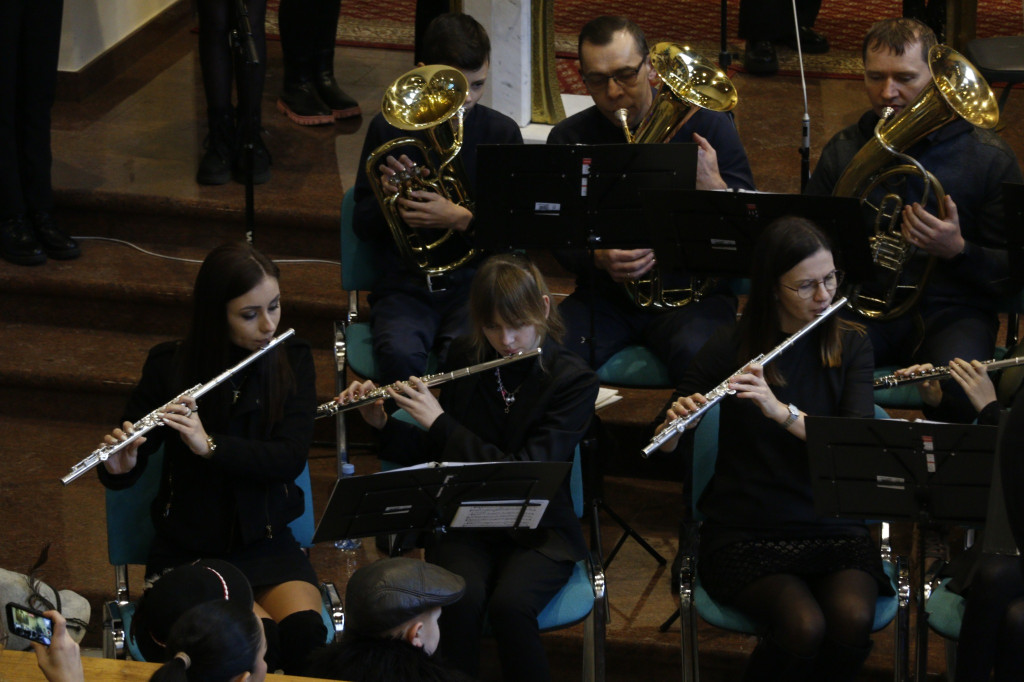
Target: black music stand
{"type": "Point", "coordinates": [715, 232]}
{"type": "Point", "coordinates": [915, 471]}
{"type": "Point", "coordinates": [576, 197]}
{"type": "Point", "coordinates": [441, 495]}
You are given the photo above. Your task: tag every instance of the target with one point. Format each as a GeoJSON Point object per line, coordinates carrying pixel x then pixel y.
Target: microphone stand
{"type": "Point", "coordinates": [805, 126]}
{"type": "Point", "coordinates": [243, 42]}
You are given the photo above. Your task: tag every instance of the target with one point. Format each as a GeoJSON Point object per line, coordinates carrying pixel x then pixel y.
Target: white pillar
{"type": "Point", "coordinates": [508, 25]}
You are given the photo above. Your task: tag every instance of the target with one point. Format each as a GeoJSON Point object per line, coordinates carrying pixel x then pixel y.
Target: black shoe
{"type": "Point", "coordinates": [251, 132]}
{"type": "Point", "coordinates": [55, 243]}
{"type": "Point", "coordinates": [811, 42]}
{"type": "Point", "coordinates": [302, 104]}
{"type": "Point", "coordinates": [18, 244]}
{"type": "Point", "coordinates": [760, 58]}
{"type": "Point", "coordinates": [215, 166]}
{"type": "Point", "coordinates": [342, 106]}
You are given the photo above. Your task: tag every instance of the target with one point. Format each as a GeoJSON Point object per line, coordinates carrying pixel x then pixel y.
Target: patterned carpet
{"type": "Point", "coordinates": [367, 23]}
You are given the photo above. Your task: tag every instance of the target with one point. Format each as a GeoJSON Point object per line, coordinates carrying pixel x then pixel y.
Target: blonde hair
{"type": "Point", "coordinates": [511, 287]}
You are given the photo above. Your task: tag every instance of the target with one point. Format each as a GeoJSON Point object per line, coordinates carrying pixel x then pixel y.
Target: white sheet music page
{"type": "Point", "coordinates": [498, 514]}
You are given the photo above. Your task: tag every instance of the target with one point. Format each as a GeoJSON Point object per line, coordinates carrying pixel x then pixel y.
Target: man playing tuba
{"type": "Point", "coordinates": [616, 68]}
{"type": "Point", "coordinates": [955, 314]}
{"type": "Point", "coordinates": [413, 313]}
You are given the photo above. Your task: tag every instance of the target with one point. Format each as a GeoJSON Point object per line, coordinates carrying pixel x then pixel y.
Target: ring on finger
{"type": "Point", "coordinates": [188, 412]}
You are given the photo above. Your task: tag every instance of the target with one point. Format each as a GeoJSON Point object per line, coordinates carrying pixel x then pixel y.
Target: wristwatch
{"type": "Point", "coordinates": [794, 414]}
{"type": "Point", "coordinates": [210, 444]}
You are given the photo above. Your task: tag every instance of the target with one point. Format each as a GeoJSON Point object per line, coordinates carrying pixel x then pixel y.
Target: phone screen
{"type": "Point", "coordinates": [24, 622]}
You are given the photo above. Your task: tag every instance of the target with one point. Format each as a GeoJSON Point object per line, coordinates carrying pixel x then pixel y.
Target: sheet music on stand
{"type": "Point", "coordinates": [436, 496]}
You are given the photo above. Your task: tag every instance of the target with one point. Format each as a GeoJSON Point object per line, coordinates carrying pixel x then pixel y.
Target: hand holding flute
{"type": "Point", "coordinates": [413, 396]}
{"type": "Point", "coordinates": [972, 377]}
{"type": "Point", "coordinates": [181, 414]}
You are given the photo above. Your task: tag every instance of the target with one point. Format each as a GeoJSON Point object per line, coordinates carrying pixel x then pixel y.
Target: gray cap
{"type": "Point", "coordinates": [390, 592]}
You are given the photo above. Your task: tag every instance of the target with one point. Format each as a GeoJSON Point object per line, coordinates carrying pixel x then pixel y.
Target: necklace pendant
{"type": "Point", "coordinates": [235, 398]}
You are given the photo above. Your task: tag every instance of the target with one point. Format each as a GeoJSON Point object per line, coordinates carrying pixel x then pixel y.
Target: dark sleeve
{"type": "Point", "coordinates": [281, 456]}
{"type": "Point", "coordinates": [857, 399]}
{"type": "Point", "coordinates": [720, 131]}
{"type": "Point", "coordinates": [154, 390]}
{"type": "Point", "coordinates": [828, 169]}
{"type": "Point", "coordinates": [989, 415]}
{"type": "Point", "coordinates": [985, 261]}
{"type": "Point", "coordinates": [1011, 455]}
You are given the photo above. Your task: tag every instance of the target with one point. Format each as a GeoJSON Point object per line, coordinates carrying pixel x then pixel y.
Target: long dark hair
{"type": "Point", "coordinates": [511, 286]}
{"type": "Point", "coordinates": [220, 639]}
{"type": "Point", "coordinates": [229, 271]}
{"type": "Point", "coordinates": [781, 247]}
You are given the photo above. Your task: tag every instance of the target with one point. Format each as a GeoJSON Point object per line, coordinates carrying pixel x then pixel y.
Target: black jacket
{"type": "Point", "coordinates": [246, 491]}
{"type": "Point", "coordinates": [545, 423]}
{"type": "Point", "coordinates": [368, 659]}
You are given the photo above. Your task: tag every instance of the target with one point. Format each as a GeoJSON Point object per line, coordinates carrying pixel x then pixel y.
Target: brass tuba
{"type": "Point", "coordinates": [956, 90]}
{"type": "Point", "coordinates": [426, 98]}
{"type": "Point", "coordinates": [689, 82]}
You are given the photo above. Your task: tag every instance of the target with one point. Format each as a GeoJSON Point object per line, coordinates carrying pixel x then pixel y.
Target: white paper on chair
{"type": "Point", "coordinates": [605, 397]}
{"type": "Point", "coordinates": [498, 514]}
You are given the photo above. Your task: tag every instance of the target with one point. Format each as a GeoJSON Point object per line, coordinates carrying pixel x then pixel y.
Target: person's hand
{"type": "Point", "coordinates": [122, 461]}
{"type": "Point", "coordinates": [389, 168]}
{"type": "Point", "coordinates": [940, 238]}
{"type": "Point", "coordinates": [974, 379]}
{"type": "Point", "coordinates": [750, 384]}
{"type": "Point", "coordinates": [372, 413]}
{"type": "Point", "coordinates": [682, 407]}
{"type": "Point", "coordinates": [624, 265]}
{"type": "Point", "coordinates": [708, 176]}
{"type": "Point", "coordinates": [416, 399]}
{"type": "Point", "coordinates": [930, 390]}
{"type": "Point", "coordinates": [182, 415]}
{"type": "Point", "coordinates": [431, 210]}
{"type": "Point", "coordinates": [61, 661]}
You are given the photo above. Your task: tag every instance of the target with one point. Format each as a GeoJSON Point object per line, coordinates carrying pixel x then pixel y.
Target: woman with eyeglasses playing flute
{"type": "Point", "coordinates": [227, 488]}
{"type": "Point", "coordinates": [812, 582]}
{"type": "Point", "coordinates": [531, 410]}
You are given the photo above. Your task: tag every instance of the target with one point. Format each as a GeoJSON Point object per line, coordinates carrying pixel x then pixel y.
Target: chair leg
{"type": "Point", "coordinates": [595, 628]}
{"type": "Point", "coordinates": [688, 632]}
{"type": "Point", "coordinates": [950, 660]}
{"type": "Point", "coordinates": [340, 366]}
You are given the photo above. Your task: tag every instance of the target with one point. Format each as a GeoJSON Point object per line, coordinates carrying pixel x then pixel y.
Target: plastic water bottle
{"type": "Point", "coordinates": [348, 470]}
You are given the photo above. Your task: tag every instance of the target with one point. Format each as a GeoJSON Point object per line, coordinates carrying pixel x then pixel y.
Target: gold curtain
{"type": "Point", "coordinates": [545, 98]}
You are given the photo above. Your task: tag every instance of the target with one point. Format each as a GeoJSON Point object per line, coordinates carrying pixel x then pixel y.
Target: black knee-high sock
{"type": "Point", "coordinates": [273, 655]}
{"type": "Point", "coordinates": [839, 662]}
{"type": "Point", "coordinates": [771, 663]}
{"type": "Point", "coordinates": [301, 632]}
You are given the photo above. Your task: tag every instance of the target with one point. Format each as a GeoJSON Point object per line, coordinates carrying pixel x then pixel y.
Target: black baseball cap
{"type": "Point", "coordinates": [175, 593]}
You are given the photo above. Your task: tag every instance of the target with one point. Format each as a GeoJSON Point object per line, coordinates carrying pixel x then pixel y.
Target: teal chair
{"type": "Point", "coordinates": [130, 533]}
{"type": "Point", "coordinates": [694, 601]}
{"type": "Point", "coordinates": [353, 339]}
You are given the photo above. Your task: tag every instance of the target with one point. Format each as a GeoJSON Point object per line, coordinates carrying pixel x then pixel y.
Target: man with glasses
{"type": "Point", "coordinates": [956, 315]}
{"type": "Point", "coordinates": [616, 68]}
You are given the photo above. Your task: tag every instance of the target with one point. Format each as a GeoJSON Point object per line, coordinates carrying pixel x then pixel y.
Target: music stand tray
{"type": "Point", "coordinates": [440, 495]}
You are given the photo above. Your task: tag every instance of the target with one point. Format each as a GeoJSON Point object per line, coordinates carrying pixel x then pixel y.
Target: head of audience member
{"type": "Point", "coordinates": [510, 307]}
{"type": "Point", "coordinates": [793, 280]}
{"type": "Point", "coordinates": [219, 641]}
{"type": "Point", "coordinates": [895, 53]}
{"type": "Point", "coordinates": [615, 65]}
{"type": "Point", "coordinates": [176, 592]}
{"type": "Point", "coordinates": [400, 598]}
{"type": "Point", "coordinates": [458, 40]}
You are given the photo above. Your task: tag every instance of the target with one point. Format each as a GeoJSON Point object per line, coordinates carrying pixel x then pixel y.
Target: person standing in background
{"type": "Point", "coordinates": [29, 49]}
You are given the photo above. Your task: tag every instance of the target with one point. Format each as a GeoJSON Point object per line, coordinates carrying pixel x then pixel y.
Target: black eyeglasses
{"type": "Point", "coordinates": [809, 287]}
{"type": "Point", "coordinates": [625, 77]}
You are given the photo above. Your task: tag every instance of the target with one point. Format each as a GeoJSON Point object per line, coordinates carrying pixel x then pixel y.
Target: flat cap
{"type": "Point", "coordinates": [390, 592]}
{"type": "Point", "coordinates": [175, 593]}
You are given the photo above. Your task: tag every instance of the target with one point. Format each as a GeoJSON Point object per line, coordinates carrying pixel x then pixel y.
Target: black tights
{"type": "Point", "coordinates": [818, 628]}
{"type": "Point", "coordinates": [992, 631]}
{"type": "Point", "coordinates": [219, 61]}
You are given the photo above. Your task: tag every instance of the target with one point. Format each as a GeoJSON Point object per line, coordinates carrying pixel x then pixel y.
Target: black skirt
{"type": "Point", "coordinates": [725, 569]}
{"type": "Point", "coordinates": [267, 562]}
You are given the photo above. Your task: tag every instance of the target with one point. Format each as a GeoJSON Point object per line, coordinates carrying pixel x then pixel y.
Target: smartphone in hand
{"type": "Point", "coordinates": [29, 623]}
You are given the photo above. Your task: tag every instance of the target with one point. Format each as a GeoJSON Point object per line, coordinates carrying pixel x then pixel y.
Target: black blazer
{"type": "Point", "coordinates": [545, 423]}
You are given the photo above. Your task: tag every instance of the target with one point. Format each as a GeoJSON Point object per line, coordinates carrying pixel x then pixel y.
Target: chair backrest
{"type": "Point", "coordinates": [357, 256]}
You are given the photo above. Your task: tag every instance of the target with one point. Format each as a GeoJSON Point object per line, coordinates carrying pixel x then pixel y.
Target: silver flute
{"type": "Point", "coordinates": [940, 373]}
{"type": "Point", "coordinates": [151, 420]}
{"type": "Point", "coordinates": [332, 408]}
{"type": "Point", "coordinates": [679, 424]}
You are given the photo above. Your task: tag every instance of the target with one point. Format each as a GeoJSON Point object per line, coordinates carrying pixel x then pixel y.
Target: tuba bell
{"type": "Point", "coordinates": [689, 82]}
{"type": "Point", "coordinates": [956, 90]}
{"type": "Point", "coordinates": [429, 98]}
